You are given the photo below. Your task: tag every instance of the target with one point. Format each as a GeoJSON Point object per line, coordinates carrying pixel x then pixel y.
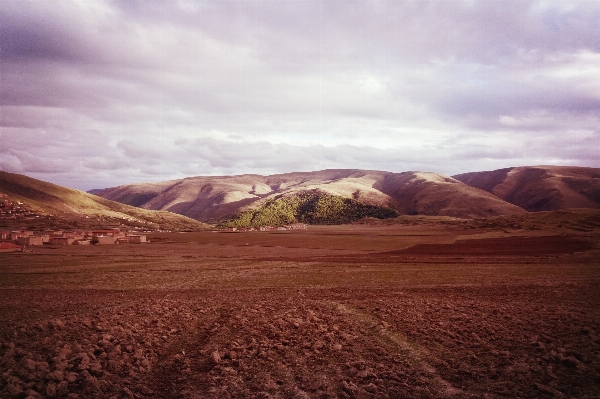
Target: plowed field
{"type": "Point", "coordinates": [384, 311]}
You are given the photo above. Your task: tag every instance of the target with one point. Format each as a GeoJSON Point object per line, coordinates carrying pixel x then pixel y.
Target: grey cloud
{"type": "Point", "coordinates": [149, 90]}
{"type": "Point", "coordinates": [268, 158]}
{"type": "Point", "coordinates": [27, 34]}
{"type": "Point", "coordinates": [107, 163]}
{"type": "Point", "coordinates": [140, 151]}
{"type": "Point", "coordinates": [367, 33]}
{"type": "Point", "coordinates": [21, 161]}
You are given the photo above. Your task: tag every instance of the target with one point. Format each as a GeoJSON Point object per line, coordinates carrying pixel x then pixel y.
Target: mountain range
{"type": "Point", "coordinates": [518, 190]}
{"type": "Point", "coordinates": [322, 197]}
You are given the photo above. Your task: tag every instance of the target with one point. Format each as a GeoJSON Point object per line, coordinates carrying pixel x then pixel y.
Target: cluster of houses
{"type": "Point", "coordinates": [14, 209]}
{"type": "Point", "coordinates": [295, 226]}
{"type": "Point", "coordinates": [17, 240]}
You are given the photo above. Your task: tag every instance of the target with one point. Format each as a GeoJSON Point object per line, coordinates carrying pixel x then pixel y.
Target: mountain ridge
{"type": "Point", "coordinates": [213, 199]}
{"type": "Point", "coordinates": [541, 188]}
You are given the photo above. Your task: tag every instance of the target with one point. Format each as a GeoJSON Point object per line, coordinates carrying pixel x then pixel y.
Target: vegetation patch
{"type": "Point", "coordinates": [309, 206]}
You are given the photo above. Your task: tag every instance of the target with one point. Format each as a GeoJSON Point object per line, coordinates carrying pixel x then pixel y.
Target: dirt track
{"type": "Point", "coordinates": [226, 321]}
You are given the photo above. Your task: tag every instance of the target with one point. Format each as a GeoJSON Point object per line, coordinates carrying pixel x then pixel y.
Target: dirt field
{"type": "Point", "coordinates": [407, 310]}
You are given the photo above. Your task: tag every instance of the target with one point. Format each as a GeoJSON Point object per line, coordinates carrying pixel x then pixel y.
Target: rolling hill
{"type": "Point", "coordinates": [55, 204]}
{"type": "Point", "coordinates": [540, 188]}
{"type": "Point", "coordinates": [308, 206]}
{"type": "Point", "coordinates": [214, 199]}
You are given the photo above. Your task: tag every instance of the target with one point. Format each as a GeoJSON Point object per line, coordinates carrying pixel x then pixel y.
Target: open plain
{"type": "Point", "coordinates": [415, 307]}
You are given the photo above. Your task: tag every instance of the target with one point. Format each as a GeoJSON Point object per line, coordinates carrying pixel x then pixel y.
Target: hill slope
{"type": "Point", "coordinates": [308, 206]}
{"type": "Point", "coordinates": [216, 198]}
{"type": "Point", "coordinates": [540, 188]}
{"type": "Point", "coordinates": [420, 193]}
{"type": "Point", "coordinates": [65, 204]}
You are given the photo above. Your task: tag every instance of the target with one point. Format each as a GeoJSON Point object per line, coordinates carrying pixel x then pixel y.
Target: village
{"type": "Point", "coordinates": [14, 209]}
{"type": "Point", "coordinates": [19, 240]}
{"type": "Point", "coordinates": [16, 241]}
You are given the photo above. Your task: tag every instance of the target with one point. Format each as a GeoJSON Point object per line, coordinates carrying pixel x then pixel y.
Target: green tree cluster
{"type": "Point", "coordinates": [309, 206]}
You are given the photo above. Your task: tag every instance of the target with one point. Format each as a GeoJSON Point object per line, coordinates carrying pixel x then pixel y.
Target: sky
{"type": "Point", "coordinates": [96, 93]}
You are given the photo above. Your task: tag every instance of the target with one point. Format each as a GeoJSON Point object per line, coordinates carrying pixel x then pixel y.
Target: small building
{"type": "Point", "coordinates": [15, 235]}
{"type": "Point", "coordinates": [105, 240]}
{"type": "Point", "coordinates": [4, 235]}
{"type": "Point", "coordinates": [30, 240]}
{"type": "Point", "coordinates": [135, 238]}
{"type": "Point", "coordinates": [105, 232]}
{"type": "Point", "coordinates": [82, 242]}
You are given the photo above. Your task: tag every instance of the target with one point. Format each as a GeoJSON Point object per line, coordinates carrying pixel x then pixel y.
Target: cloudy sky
{"type": "Point", "coordinates": [99, 93]}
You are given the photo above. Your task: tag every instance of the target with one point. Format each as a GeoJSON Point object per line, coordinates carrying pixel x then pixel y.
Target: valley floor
{"type": "Point", "coordinates": [413, 310]}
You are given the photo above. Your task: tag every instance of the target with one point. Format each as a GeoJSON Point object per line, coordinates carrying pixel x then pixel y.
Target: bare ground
{"type": "Point", "coordinates": [350, 312]}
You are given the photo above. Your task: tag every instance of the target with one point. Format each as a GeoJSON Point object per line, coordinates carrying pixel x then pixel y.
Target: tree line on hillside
{"type": "Point", "coordinates": [309, 206]}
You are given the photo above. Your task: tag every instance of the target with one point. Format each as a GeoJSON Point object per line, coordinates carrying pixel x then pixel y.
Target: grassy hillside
{"type": "Point", "coordinates": [61, 205]}
{"type": "Point", "coordinates": [309, 206]}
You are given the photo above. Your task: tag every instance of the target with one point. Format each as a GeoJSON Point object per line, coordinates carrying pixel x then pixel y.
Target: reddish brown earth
{"type": "Point", "coordinates": [540, 188]}
{"type": "Point", "coordinates": [414, 310]}
{"type": "Point", "coordinates": [507, 246]}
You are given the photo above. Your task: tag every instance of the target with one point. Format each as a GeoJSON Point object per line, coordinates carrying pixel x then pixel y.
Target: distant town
{"type": "Point", "coordinates": [13, 241]}
{"type": "Point", "coordinates": [14, 209]}
{"type": "Point", "coordinates": [17, 240]}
